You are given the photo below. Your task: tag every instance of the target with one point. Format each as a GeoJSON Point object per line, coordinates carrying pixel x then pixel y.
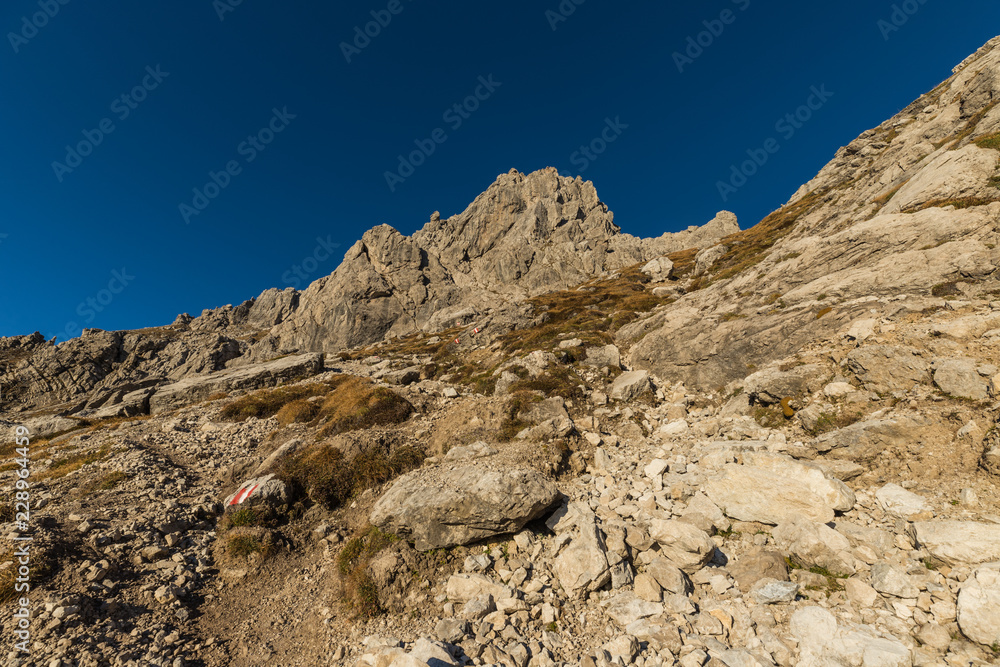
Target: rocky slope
{"type": "Point", "coordinates": [775, 446]}
{"type": "Point", "coordinates": [906, 206]}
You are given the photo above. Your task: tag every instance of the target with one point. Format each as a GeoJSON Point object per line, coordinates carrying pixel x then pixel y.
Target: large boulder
{"type": "Point", "coordinates": [265, 490]}
{"type": "Point", "coordinates": [899, 502]}
{"type": "Point", "coordinates": [465, 587]}
{"type": "Point", "coordinates": [814, 544]}
{"type": "Point", "coordinates": [834, 492]}
{"type": "Point", "coordinates": [438, 508]}
{"type": "Point", "coordinates": [609, 355]}
{"type": "Point", "coordinates": [979, 605]}
{"type": "Point", "coordinates": [685, 545]}
{"type": "Point", "coordinates": [582, 566]}
{"type": "Point", "coordinates": [858, 439]}
{"type": "Point", "coordinates": [748, 493]}
{"type": "Point", "coordinates": [630, 385]}
{"type": "Point", "coordinates": [956, 542]}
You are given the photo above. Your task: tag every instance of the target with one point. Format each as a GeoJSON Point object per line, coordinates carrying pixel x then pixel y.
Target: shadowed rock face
{"type": "Point", "coordinates": [525, 235]}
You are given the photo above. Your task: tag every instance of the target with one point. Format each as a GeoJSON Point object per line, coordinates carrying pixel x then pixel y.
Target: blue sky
{"type": "Point", "coordinates": [169, 157]}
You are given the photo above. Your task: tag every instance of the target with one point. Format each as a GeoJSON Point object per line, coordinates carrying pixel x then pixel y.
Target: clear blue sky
{"type": "Point", "coordinates": [211, 83]}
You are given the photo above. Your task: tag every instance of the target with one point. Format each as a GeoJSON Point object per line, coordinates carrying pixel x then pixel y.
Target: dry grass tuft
{"type": "Point", "coordinates": [63, 466]}
{"type": "Point", "coordinates": [360, 591]}
{"type": "Point", "coordinates": [326, 477]}
{"type": "Point", "coordinates": [592, 312]}
{"type": "Point", "coordinates": [959, 203]}
{"type": "Point", "coordinates": [297, 412]}
{"type": "Point", "coordinates": [358, 403]}
{"type": "Point", "coordinates": [267, 403]}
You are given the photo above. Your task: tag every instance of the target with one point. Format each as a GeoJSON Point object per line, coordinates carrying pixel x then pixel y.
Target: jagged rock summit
{"type": "Point", "coordinates": [526, 234]}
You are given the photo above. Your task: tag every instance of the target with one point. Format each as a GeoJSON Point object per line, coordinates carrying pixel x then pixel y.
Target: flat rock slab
{"type": "Point", "coordinates": [199, 387]}
{"type": "Point", "coordinates": [960, 541]}
{"type": "Point", "coordinates": [747, 493]}
{"type": "Point", "coordinates": [625, 608]}
{"type": "Point", "coordinates": [823, 641]}
{"type": "Point", "coordinates": [438, 508]}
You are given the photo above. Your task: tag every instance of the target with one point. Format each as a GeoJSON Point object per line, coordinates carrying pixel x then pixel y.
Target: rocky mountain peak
{"type": "Point", "coordinates": [526, 234]}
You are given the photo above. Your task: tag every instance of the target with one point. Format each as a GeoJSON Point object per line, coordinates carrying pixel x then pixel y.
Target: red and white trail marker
{"type": "Point", "coordinates": [243, 494]}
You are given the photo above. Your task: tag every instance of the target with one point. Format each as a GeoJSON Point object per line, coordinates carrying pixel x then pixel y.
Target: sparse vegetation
{"type": "Point", "coordinates": [63, 466]}
{"type": "Point", "coordinates": [771, 416]}
{"type": "Point", "coordinates": [357, 403]}
{"type": "Point", "coordinates": [328, 478]}
{"type": "Point", "coordinates": [555, 381]}
{"type": "Point", "coordinates": [512, 423]}
{"type": "Point", "coordinates": [245, 517]}
{"type": "Point", "coordinates": [947, 290]}
{"type": "Point", "coordinates": [989, 141]}
{"type": "Point", "coordinates": [106, 482]}
{"type": "Point", "coordinates": [959, 203]}
{"type": "Point", "coordinates": [297, 412]}
{"type": "Point", "coordinates": [828, 421]}
{"type": "Point", "coordinates": [267, 403]}
{"type": "Point", "coordinates": [245, 543]}
{"type": "Point", "coordinates": [593, 312]}
{"type": "Point", "coordinates": [884, 199]}
{"type": "Point", "coordinates": [969, 127]}
{"type": "Point", "coordinates": [360, 591]}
